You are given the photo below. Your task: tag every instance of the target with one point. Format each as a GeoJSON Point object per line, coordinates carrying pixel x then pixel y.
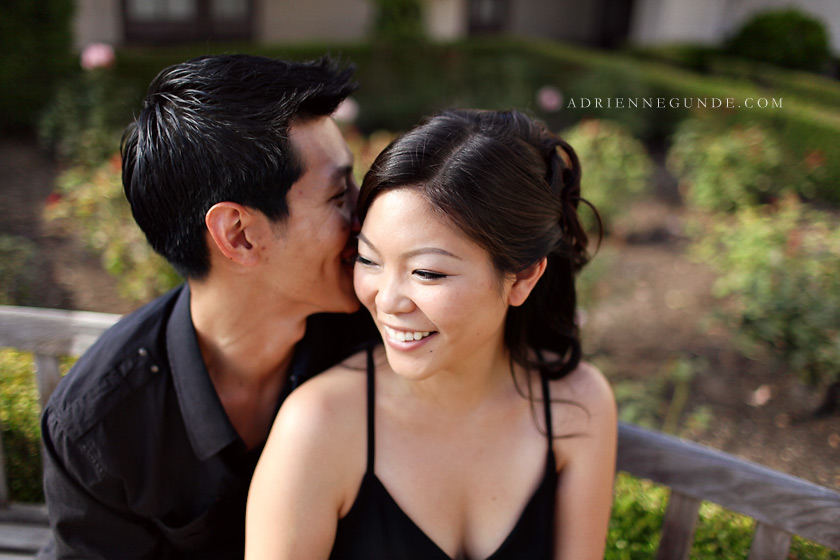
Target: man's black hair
{"type": "Point", "coordinates": [216, 128]}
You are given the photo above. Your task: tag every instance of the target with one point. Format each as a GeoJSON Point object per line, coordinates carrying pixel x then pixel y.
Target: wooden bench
{"type": "Point", "coordinates": [782, 505]}
{"type": "Point", "coordinates": [48, 334]}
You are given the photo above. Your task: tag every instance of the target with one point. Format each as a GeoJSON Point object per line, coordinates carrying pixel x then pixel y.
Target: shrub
{"type": "Point", "coordinates": [779, 282]}
{"type": "Point", "coordinates": [92, 205]}
{"type": "Point", "coordinates": [87, 115]}
{"type": "Point", "coordinates": [639, 510]}
{"type": "Point", "coordinates": [616, 168]}
{"type": "Point", "coordinates": [788, 38]}
{"type": "Point", "coordinates": [19, 413]}
{"type": "Point", "coordinates": [726, 169]}
{"type": "Point", "coordinates": [18, 269]}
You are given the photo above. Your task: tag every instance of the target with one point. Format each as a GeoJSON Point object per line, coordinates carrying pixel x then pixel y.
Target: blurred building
{"type": "Point", "coordinates": [604, 23]}
{"type": "Point", "coordinates": [711, 21]}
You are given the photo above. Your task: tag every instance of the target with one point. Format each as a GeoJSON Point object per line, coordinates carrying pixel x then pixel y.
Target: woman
{"type": "Point", "coordinates": [482, 435]}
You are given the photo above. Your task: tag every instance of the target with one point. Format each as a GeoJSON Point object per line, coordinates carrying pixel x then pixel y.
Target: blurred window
{"type": "Point", "coordinates": [183, 21]}
{"type": "Point", "coordinates": [161, 10]}
{"type": "Point", "coordinates": [230, 9]}
{"type": "Point", "coordinates": [488, 16]}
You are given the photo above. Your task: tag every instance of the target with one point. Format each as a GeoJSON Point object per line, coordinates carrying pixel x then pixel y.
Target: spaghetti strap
{"type": "Point", "coordinates": [371, 394]}
{"type": "Point", "coordinates": [547, 405]}
{"type": "Point", "coordinates": [377, 528]}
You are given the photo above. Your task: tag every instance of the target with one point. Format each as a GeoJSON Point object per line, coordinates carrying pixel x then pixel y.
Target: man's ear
{"type": "Point", "coordinates": [231, 227]}
{"type": "Point", "coordinates": [525, 282]}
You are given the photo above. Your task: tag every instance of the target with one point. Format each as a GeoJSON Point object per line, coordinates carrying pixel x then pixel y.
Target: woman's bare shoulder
{"type": "Point", "coordinates": [583, 402]}
{"type": "Point", "coordinates": [324, 415]}
{"type": "Point", "coordinates": [586, 384]}
{"type": "Point", "coordinates": [332, 394]}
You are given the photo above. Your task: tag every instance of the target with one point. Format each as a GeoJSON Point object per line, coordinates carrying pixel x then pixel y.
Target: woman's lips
{"type": "Point", "coordinates": [405, 336]}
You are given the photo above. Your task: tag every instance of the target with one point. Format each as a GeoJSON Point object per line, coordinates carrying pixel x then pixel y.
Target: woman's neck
{"type": "Point", "coordinates": [476, 382]}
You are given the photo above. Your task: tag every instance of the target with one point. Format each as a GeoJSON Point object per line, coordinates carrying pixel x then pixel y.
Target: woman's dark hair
{"type": "Point", "coordinates": [213, 129]}
{"type": "Point", "coordinates": [513, 188]}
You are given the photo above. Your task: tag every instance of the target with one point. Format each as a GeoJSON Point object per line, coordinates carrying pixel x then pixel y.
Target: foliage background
{"type": "Point", "coordinates": [401, 83]}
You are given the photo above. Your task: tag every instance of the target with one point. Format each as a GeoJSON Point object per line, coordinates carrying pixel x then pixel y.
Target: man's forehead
{"type": "Point", "coordinates": [319, 142]}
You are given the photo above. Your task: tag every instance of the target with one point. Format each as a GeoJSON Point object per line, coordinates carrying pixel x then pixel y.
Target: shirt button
{"type": "Point", "coordinates": [142, 352]}
{"type": "Point", "coordinates": [154, 369]}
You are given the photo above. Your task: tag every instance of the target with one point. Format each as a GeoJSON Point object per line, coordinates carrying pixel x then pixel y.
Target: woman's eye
{"type": "Point", "coordinates": [363, 261]}
{"type": "Point", "coordinates": [429, 275]}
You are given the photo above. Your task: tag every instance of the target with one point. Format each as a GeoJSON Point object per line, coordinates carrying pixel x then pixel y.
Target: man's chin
{"type": "Point", "coordinates": [347, 302]}
{"type": "Point", "coordinates": [351, 306]}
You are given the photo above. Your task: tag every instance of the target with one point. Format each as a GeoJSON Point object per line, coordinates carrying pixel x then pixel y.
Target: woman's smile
{"type": "Point", "coordinates": [429, 287]}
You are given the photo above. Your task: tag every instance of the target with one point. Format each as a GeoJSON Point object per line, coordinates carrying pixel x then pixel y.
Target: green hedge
{"type": "Point", "coordinates": [787, 37]}
{"type": "Point", "coordinates": [402, 83]}
{"type": "Point", "coordinates": [35, 39]}
{"type": "Point", "coordinates": [806, 86]}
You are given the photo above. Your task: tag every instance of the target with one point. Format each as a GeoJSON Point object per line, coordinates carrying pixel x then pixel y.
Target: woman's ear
{"type": "Point", "coordinates": [231, 226]}
{"type": "Point", "coordinates": [525, 281]}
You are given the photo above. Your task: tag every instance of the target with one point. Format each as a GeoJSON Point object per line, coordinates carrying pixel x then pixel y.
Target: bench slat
{"type": "Point", "coordinates": [769, 543]}
{"type": "Point", "coordinates": [16, 556]}
{"type": "Point", "coordinates": [51, 332]}
{"type": "Point", "coordinates": [23, 538]}
{"type": "Point", "coordinates": [47, 374]}
{"type": "Point", "coordinates": [33, 514]}
{"type": "Point", "coordinates": [770, 497]}
{"type": "Point", "coordinates": [678, 527]}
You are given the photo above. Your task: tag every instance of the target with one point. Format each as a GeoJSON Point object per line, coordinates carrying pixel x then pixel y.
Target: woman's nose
{"type": "Point", "coordinates": [392, 298]}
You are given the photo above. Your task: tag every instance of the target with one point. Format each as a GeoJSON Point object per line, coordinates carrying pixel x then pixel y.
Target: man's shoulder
{"type": "Point", "coordinates": [123, 359]}
{"type": "Point", "coordinates": [331, 337]}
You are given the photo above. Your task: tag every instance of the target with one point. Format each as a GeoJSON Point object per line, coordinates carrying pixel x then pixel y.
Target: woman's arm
{"type": "Point", "coordinates": [586, 465]}
{"type": "Point", "coordinates": [312, 465]}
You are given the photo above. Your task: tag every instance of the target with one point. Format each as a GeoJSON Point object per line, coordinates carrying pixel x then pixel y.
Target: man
{"type": "Point", "coordinates": [239, 177]}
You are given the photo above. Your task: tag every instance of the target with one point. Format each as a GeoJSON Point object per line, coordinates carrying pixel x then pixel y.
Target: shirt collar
{"type": "Point", "coordinates": [207, 424]}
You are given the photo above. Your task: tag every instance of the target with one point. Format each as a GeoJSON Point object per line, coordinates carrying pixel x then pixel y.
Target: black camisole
{"type": "Point", "coordinates": [376, 528]}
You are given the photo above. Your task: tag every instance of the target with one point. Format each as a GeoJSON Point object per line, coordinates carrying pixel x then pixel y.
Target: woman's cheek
{"type": "Point", "coordinates": [361, 283]}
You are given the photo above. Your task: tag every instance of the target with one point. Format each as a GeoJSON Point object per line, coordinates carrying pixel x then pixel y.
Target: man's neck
{"type": "Point", "coordinates": [247, 345]}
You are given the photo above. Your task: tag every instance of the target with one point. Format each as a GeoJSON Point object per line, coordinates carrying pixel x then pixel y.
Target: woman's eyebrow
{"type": "Point", "coordinates": [413, 252]}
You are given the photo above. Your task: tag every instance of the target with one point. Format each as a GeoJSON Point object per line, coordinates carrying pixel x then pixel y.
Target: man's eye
{"type": "Point", "coordinates": [429, 275]}
{"type": "Point", "coordinates": [340, 195]}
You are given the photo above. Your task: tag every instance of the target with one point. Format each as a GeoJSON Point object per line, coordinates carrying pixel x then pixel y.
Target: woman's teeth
{"type": "Point", "coordinates": [403, 336]}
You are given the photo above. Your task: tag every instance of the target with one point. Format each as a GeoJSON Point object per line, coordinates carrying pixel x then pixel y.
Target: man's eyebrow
{"type": "Point", "coordinates": [343, 171]}
{"type": "Point", "coordinates": [413, 252]}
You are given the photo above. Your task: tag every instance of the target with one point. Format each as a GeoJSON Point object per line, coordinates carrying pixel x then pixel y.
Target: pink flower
{"type": "Point", "coordinates": [98, 55]}
{"type": "Point", "coordinates": [549, 99]}
{"type": "Point", "coordinates": [347, 111]}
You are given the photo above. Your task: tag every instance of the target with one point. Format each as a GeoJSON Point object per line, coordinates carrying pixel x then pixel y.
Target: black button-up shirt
{"type": "Point", "coordinates": [141, 460]}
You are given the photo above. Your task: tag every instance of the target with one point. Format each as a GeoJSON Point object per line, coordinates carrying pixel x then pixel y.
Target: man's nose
{"type": "Point", "coordinates": [353, 200]}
